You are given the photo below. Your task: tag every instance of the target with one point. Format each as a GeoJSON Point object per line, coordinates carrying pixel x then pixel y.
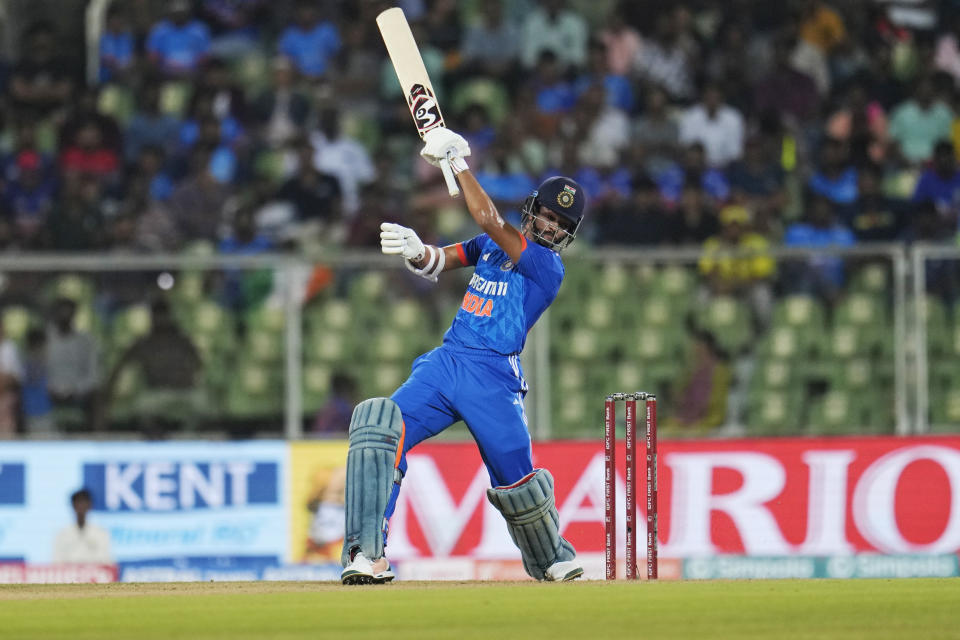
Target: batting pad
{"type": "Point", "coordinates": [534, 524]}
{"type": "Point", "coordinates": [376, 432]}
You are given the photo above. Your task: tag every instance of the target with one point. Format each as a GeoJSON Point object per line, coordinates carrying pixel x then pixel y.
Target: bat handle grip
{"type": "Point", "coordinates": [452, 186]}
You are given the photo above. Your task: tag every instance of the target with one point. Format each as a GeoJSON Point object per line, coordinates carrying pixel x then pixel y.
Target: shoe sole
{"type": "Point", "coordinates": [572, 575]}
{"type": "Point", "coordinates": [357, 578]}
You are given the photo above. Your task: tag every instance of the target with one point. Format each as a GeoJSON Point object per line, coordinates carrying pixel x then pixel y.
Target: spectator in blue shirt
{"type": "Point", "coordinates": [554, 95]}
{"type": "Point", "coordinates": [823, 275]}
{"type": "Point", "coordinates": [940, 183]}
{"type": "Point", "coordinates": [242, 289]}
{"type": "Point", "coordinates": [619, 92]}
{"type": "Point", "coordinates": [835, 178]}
{"type": "Point", "coordinates": [117, 46]}
{"type": "Point", "coordinates": [694, 172]}
{"type": "Point", "coordinates": [180, 44]}
{"type": "Point", "coordinates": [150, 126]}
{"type": "Point", "coordinates": [311, 42]}
{"type": "Point", "coordinates": [235, 24]}
{"type": "Point", "coordinates": [29, 199]}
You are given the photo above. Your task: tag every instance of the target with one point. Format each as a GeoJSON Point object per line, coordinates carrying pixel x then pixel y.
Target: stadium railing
{"type": "Point", "coordinates": [274, 330]}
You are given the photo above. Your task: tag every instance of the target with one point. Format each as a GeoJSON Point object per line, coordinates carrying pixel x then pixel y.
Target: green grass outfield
{"type": "Point", "coordinates": [905, 608]}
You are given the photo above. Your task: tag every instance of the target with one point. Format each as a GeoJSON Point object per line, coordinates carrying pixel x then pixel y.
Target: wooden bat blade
{"type": "Point", "coordinates": [408, 65]}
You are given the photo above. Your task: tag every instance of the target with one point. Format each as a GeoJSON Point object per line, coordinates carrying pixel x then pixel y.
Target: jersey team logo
{"type": "Point", "coordinates": [565, 197]}
{"type": "Point", "coordinates": [424, 108]}
{"type": "Point", "coordinates": [506, 266]}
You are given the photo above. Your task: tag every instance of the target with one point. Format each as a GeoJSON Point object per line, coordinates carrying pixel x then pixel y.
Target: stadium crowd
{"type": "Point", "coordinates": [253, 125]}
{"type": "Point", "coordinates": [824, 122]}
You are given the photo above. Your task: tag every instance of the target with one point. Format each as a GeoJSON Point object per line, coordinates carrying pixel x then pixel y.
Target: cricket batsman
{"type": "Point", "coordinates": [474, 376]}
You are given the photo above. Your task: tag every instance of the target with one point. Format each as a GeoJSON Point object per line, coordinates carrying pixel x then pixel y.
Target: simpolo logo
{"type": "Point", "coordinates": [159, 485]}
{"type": "Point", "coordinates": [12, 483]}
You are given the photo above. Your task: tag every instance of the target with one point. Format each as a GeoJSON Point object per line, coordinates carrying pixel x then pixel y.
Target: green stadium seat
{"type": "Point", "coordinates": [316, 386]}
{"type": "Point", "coordinates": [856, 374]}
{"type": "Point", "coordinates": [206, 317]}
{"type": "Point", "coordinates": [174, 97]}
{"type": "Point", "coordinates": [774, 412]}
{"type": "Point", "coordinates": [675, 281]}
{"type": "Point", "coordinates": [116, 101]}
{"type": "Point", "coordinates": [188, 289]}
{"type": "Point", "coordinates": [17, 321]}
{"type": "Point", "coordinates": [785, 342]}
{"type": "Point", "coordinates": [615, 280]}
{"type": "Point", "coordinates": [627, 377]}
{"type": "Point", "coordinates": [728, 320]}
{"type": "Point", "coordinates": [878, 410]}
{"type": "Point", "coordinates": [252, 70]}
{"type": "Point", "coordinates": [774, 374]}
{"type": "Point", "coordinates": [128, 325]}
{"type": "Point", "coordinates": [76, 287]}
{"type": "Point", "coordinates": [334, 314]}
{"type": "Point", "coordinates": [382, 379]}
{"type": "Point", "coordinates": [801, 311]}
{"type": "Point", "coordinates": [267, 318]}
{"type": "Point", "coordinates": [125, 391]}
{"type": "Point", "coordinates": [945, 408]}
{"type": "Point", "coordinates": [657, 344]}
{"type": "Point", "coordinates": [368, 286]}
{"type": "Point", "coordinates": [388, 345]}
{"type": "Point", "coordinates": [851, 340]}
{"type": "Point", "coordinates": [254, 391]}
{"type": "Point", "coordinates": [937, 325]}
{"type": "Point", "coordinates": [943, 374]}
{"type": "Point", "coordinates": [331, 347]}
{"type": "Point", "coordinates": [599, 312]}
{"type": "Point", "coordinates": [582, 343]}
{"type": "Point", "coordinates": [861, 308]}
{"type": "Point", "coordinates": [657, 311]}
{"type": "Point", "coordinates": [265, 347]}
{"type": "Point", "coordinates": [405, 315]}
{"type": "Point", "coordinates": [574, 413]}
{"type": "Point", "coordinates": [872, 278]}
{"type": "Point", "coordinates": [837, 412]}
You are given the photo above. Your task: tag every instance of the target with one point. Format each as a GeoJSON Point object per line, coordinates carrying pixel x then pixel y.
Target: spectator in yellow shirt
{"type": "Point", "coordinates": [737, 262]}
{"type": "Point", "coordinates": [821, 26]}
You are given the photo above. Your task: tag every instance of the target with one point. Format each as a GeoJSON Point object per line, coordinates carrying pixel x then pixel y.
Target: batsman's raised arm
{"type": "Point", "coordinates": [442, 143]}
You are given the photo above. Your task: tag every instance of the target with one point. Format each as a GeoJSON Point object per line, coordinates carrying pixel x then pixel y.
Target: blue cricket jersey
{"type": "Point", "coordinates": [503, 299]}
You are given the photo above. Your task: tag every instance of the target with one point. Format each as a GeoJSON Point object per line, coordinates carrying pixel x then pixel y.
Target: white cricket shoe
{"type": "Point", "coordinates": [362, 571]}
{"type": "Point", "coordinates": [359, 571]}
{"type": "Point", "coordinates": [563, 571]}
{"type": "Point", "coordinates": [382, 571]}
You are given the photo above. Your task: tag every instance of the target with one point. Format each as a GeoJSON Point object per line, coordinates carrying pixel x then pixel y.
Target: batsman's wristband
{"type": "Point", "coordinates": [434, 266]}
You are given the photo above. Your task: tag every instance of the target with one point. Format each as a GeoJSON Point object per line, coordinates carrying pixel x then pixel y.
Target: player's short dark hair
{"type": "Point", "coordinates": [81, 494]}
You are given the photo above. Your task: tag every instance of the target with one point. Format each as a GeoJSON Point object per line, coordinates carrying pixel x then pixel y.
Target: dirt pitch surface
{"type": "Point", "coordinates": [873, 609]}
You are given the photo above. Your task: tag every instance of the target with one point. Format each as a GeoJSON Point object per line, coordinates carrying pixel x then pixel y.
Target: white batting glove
{"type": "Point", "coordinates": [399, 240]}
{"type": "Point", "coordinates": [442, 143]}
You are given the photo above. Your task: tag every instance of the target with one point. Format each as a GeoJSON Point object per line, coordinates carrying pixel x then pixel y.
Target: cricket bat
{"type": "Point", "coordinates": [414, 80]}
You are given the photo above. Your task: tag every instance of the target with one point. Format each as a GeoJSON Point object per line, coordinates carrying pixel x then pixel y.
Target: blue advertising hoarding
{"type": "Point", "coordinates": [160, 502]}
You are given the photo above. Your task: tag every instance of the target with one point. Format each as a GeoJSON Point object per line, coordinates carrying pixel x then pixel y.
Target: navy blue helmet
{"type": "Point", "coordinates": [563, 196]}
